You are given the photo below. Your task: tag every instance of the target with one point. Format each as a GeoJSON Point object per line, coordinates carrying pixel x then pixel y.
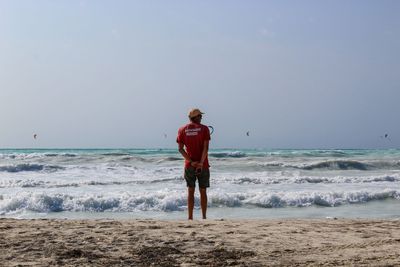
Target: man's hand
{"type": "Point", "coordinates": [199, 166]}
{"type": "Point", "coordinates": [194, 164]}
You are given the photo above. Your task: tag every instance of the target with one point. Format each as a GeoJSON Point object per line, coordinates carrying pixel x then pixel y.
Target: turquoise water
{"type": "Point", "coordinates": [245, 183]}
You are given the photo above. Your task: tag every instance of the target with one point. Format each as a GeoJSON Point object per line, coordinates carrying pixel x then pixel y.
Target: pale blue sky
{"type": "Point", "coordinates": [296, 74]}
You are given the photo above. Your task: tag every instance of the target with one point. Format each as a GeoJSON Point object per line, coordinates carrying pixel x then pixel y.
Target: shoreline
{"type": "Point", "coordinates": [388, 209]}
{"type": "Point", "coordinates": [144, 242]}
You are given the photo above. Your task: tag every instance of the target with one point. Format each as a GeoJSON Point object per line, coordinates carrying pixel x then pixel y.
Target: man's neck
{"type": "Point", "coordinates": [195, 122]}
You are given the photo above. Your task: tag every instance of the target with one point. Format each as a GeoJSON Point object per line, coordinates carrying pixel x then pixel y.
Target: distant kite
{"type": "Point", "coordinates": [34, 136]}
{"type": "Point", "coordinates": [386, 136]}
{"type": "Point", "coordinates": [212, 129]}
{"type": "Point", "coordinates": [165, 135]}
{"type": "Point", "coordinates": [248, 133]}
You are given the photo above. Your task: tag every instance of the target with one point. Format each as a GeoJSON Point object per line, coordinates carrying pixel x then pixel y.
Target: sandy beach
{"type": "Point", "coordinates": [327, 242]}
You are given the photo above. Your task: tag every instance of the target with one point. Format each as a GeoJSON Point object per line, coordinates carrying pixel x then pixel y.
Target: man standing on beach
{"type": "Point", "coordinates": [193, 140]}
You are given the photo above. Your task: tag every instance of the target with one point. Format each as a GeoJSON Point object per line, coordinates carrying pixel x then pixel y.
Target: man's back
{"type": "Point", "coordinates": [193, 141]}
{"type": "Point", "coordinates": [193, 135]}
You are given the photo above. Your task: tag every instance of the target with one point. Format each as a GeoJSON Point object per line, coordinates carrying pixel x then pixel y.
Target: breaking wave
{"type": "Point", "coordinates": [31, 183]}
{"type": "Point", "coordinates": [174, 201]}
{"type": "Point", "coordinates": [338, 164]}
{"type": "Point", "coordinates": [27, 167]}
{"type": "Point", "coordinates": [311, 180]}
{"type": "Point", "coordinates": [349, 165]}
{"type": "Point", "coordinates": [234, 154]}
{"type": "Point", "coordinates": [35, 183]}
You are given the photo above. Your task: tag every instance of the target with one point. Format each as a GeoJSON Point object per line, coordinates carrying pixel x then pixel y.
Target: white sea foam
{"type": "Point", "coordinates": [28, 167]}
{"type": "Point", "coordinates": [264, 178]}
{"type": "Point", "coordinates": [152, 180]}
{"type": "Point", "coordinates": [175, 201]}
{"type": "Point", "coordinates": [167, 178]}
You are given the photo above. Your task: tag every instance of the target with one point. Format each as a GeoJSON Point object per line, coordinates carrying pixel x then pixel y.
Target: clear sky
{"type": "Point", "coordinates": [295, 74]}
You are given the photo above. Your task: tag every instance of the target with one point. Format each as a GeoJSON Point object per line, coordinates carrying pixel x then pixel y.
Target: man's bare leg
{"type": "Point", "coordinates": [190, 202]}
{"type": "Point", "coordinates": [203, 201]}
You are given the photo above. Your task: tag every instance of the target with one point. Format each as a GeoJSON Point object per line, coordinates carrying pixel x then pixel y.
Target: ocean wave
{"type": "Point", "coordinates": [68, 155]}
{"type": "Point", "coordinates": [349, 165]}
{"type": "Point", "coordinates": [326, 199]}
{"type": "Point", "coordinates": [27, 167]}
{"type": "Point", "coordinates": [36, 155]}
{"type": "Point", "coordinates": [115, 154]}
{"type": "Point", "coordinates": [167, 159]}
{"type": "Point", "coordinates": [176, 201]}
{"type": "Point", "coordinates": [311, 180]}
{"type": "Point", "coordinates": [242, 161]}
{"type": "Point", "coordinates": [337, 164]}
{"type": "Point", "coordinates": [311, 153]}
{"type": "Point", "coordinates": [245, 180]}
{"type": "Point", "coordinates": [353, 180]}
{"type": "Point", "coordinates": [22, 183]}
{"type": "Point", "coordinates": [234, 154]}
{"type": "Point", "coordinates": [31, 183]}
{"type": "Point", "coordinates": [251, 164]}
{"type": "Point", "coordinates": [160, 201]}
{"type": "Point", "coordinates": [145, 159]}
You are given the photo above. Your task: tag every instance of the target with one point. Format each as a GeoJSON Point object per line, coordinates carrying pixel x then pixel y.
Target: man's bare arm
{"type": "Point", "coordinates": [183, 152]}
{"type": "Point", "coordinates": [204, 153]}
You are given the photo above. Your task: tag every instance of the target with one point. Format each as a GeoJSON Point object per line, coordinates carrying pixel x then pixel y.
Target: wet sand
{"type": "Point", "coordinates": [192, 243]}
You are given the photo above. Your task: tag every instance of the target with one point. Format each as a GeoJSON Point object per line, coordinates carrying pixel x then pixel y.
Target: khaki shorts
{"type": "Point", "coordinates": [203, 177]}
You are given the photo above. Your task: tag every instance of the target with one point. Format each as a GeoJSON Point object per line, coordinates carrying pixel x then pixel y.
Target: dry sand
{"type": "Point", "coordinates": [210, 242]}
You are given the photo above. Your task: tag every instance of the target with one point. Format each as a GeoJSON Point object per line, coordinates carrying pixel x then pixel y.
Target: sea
{"type": "Point", "coordinates": [245, 184]}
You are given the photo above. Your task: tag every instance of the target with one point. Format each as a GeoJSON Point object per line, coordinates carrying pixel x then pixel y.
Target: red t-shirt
{"type": "Point", "coordinates": [193, 135]}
